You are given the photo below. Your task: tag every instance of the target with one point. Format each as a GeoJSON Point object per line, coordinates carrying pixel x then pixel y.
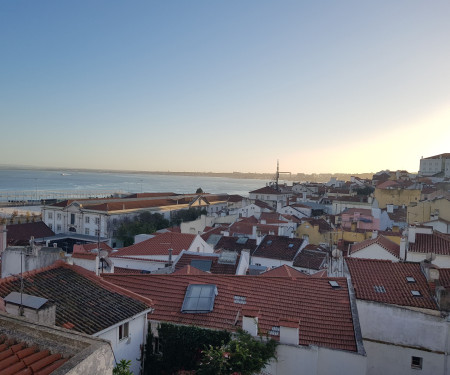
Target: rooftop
{"type": "Point", "coordinates": [84, 302]}
{"type": "Point", "coordinates": [278, 247]}
{"type": "Point", "coordinates": [324, 313]}
{"type": "Point", "coordinates": [381, 241]}
{"type": "Point", "coordinates": [386, 282]}
{"type": "Point", "coordinates": [437, 243]}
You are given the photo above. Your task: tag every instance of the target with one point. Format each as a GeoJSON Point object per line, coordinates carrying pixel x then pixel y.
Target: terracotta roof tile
{"type": "Point", "coordinates": [236, 244]}
{"type": "Point", "coordinates": [438, 243]}
{"type": "Point", "coordinates": [283, 271]}
{"type": "Point", "coordinates": [20, 234]}
{"type": "Point", "coordinates": [311, 259]}
{"type": "Point", "coordinates": [266, 190]}
{"type": "Point", "coordinates": [159, 245]}
{"type": "Point", "coordinates": [216, 266]}
{"type": "Point", "coordinates": [385, 281]}
{"type": "Point", "coordinates": [27, 360]}
{"type": "Point", "coordinates": [323, 312]}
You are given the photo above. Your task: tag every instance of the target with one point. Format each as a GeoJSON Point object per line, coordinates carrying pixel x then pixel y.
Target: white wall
{"type": "Point", "coordinates": [396, 360]}
{"type": "Point", "coordinates": [138, 264]}
{"type": "Point", "coordinates": [267, 262]}
{"type": "Point", "coordinates": [442, 261]}
{"type": "Point", "coordinates": [197, 226]}
{"type": "Point", "coordinates": [90, 265]}
{"type": "Point", "coordinates": [128, 349]}
{"type": "Point", "coordinates": [374, 251]}
{"type": "Point", "coordinates": [313, 360]}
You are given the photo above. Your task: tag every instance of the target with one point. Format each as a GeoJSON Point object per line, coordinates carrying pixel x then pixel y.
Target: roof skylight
{"type": "Point", "coordinates": [379, 288]}
{"type": "Point", "coordinates": [416, 293]}
{"type": "Point", "coordinates": [334, 284]}
{"type": "Point", "coordinates": [410, 279]}
{"type": "Point", "coordinates": [199, 298]}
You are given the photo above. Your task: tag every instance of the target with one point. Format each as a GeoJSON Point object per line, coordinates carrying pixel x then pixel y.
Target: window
{"type": "Point", "coordinates": [50, 226]}
{"type": "Point", "coordinates": [334, 284]}
{"type": "Point", "coordinates": [97, 232]}
{"type": "Point", "coordinates": [410, 279]}
{"type": "Point", "coordinates": [58, 227]}
{"type": "Point", "coordinates": [86, 231]}
{"type": "Point", "coordinates": [86, 219]}
{"type": "Point", "coordinates": [97, 220]}
{"type": "Point", "coordinates": [416, 293]}
{"type": "Point", "coordinates": [416, 362]}
{"type": "Point", "coordinates": [124, 331]}
{"type": "Point", "coordinates": [58, 216]}
{"type": "Point", "coordinates": [240, 300]}
{"type": "Point", "coordinates": [379, 289]}
{"type": "Point", "coordinates": [72, 219]}
{"type": "Point", "coordinates": [199, 298]}
{"type": "Point", "coordinates": [50, 215]}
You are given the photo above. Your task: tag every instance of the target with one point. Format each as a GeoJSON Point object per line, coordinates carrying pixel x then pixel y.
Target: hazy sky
{"type": "Point", "coordinates": [323, 86]}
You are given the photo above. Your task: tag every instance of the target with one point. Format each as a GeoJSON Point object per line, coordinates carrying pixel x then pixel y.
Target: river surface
{"type": "Point", "coordinates": [41, 181]}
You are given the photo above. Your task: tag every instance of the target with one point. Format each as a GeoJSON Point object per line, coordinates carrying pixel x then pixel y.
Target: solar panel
{"type": "Point", "coordinates": [201, 264]}
{"type": "Point", "coordinates": [27, 300]}
{"type": "Point", "coordinates": [199, 298]}
{"type": "Point", "coordinates": [227, 257]}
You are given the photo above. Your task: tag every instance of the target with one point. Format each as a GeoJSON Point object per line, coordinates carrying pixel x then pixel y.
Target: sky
{"type": "Point", "coordinates": [223, 86]}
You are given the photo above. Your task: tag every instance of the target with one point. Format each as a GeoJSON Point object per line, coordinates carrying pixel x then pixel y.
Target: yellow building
{"type": "Point", "coordinates": [315, 230]}
{"type": "Point", "coordinates": [390, 193]}
{"type": "Point", "coordinates": [425, 210]}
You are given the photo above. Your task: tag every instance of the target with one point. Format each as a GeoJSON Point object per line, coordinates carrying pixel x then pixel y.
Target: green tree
{"type": "Point", "coordinates": [199, 191]}
{"type": "Point", "coordinates": [122, 368]}
{"type": "Point", "coordinates": [244, 355]}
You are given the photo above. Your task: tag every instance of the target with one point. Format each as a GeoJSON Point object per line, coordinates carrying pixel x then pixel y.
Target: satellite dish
{"type": "Point", "coordinates": [430, 257]}
{"type": "Point", "coordinates": [336, 253]}
{"type": "Point", "coordinates": [103, 254]}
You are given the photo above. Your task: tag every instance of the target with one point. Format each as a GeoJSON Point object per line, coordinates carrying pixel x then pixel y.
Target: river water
{"type": "Point", "coordinates": [40, 181]}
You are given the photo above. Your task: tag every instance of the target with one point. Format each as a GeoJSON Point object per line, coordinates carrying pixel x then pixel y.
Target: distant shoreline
{"type": "Point", "coordinates": [299, 177]}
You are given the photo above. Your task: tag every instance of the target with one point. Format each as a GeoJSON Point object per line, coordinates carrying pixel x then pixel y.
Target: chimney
{"type": "Point", "coordinates": [170, 256]}
{"type": "Point", "coordinates": [412, 234]}
{"type": "Point", "coordinates": [374, 234]}
{"type": "Point", "coordinates": [250, 321]}
{"type": "Point", "coordinates": [289, 331]}
{"type": "Point", "coordinates": [403, 248]}
{"type": "Point", "coordinates": [35, 309]}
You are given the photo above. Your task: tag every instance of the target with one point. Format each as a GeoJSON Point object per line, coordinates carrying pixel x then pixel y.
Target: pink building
{"type": "Point", "coordinates": [360, 218]}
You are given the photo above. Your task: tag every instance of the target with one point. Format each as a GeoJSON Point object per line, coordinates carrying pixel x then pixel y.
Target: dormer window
{"type": "Point", "coordinates": [199, 298]}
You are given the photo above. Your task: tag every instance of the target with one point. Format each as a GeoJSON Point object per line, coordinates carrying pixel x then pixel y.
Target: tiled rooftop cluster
{"type": "Point", "coordinates": [323, 312]}
{"type": "Point", "coordinates": [438, 243]}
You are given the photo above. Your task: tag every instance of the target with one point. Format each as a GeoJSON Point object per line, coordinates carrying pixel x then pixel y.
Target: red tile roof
{"type": "Point", "coordinates": [283, 271]}
{"type": "Point", "coordinates": [324, 313]}
{"type": "Point", "coordinates": [82, 299]}
{"type": "Point", "coordinates": [126, 270]}
{"type": "Point", "coordinates": [437, 243]}
{"type": "Point", "coordinates": [385, 281]}
{"type": "Point", "coordinates": [189, 270]}
{"type": "Point", "coordinates": [18, 358]}
{"type": "Point", "coordinates": [216, 267]}
{"type": "Point", "coordinates": [263, 205]}
{"type": "Point", "coordinates": [381, 241]}
{"type": "Point", "coordinates": [20, 234]}
{"type": "Point", "coordinates": [84, 256]}
{"type": "Point", "coordinates": [88, 247]}
{"type": "Point", "coordinates": [159, 245]}
{"type": "Point", "coordinates": [278, 247]}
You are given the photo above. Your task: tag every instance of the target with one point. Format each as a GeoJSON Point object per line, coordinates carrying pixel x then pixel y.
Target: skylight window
{"type": "Point", "coordinates": [275, 331]}
{"type": "Point", "coordinates": [228, 257]}
{"type": "Point", "coordinates": [240, 300]}
{"type": "Point", "coordinates": [379, 289]}
{"type": "Point", "coordinates": [269, 242]}
{"type": "Point", "coordinates": [334, 284]}
{"type": "Point", "coordinates": [410, 279]}
{"type": "Point", "coordinates": [291, 245]}
{"type": "Point", "coordinates": [416, 293]}
{"type": "Point", "coordinates": [199, 298]}
{"type": "Point", "coordinates": [201, 264]}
